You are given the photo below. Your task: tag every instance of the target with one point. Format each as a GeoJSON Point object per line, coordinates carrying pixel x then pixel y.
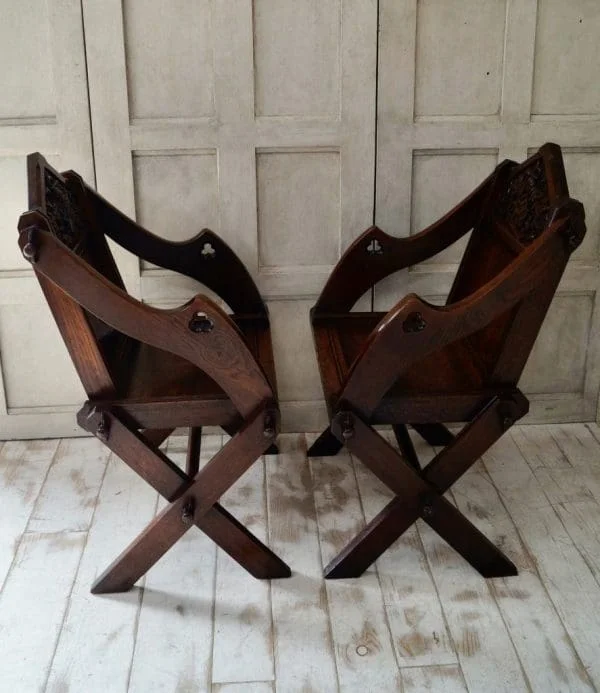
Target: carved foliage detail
{"type": "Point", "coordinates": [524, 205]}
{"type": "Point", "coordinates": [63, 212]}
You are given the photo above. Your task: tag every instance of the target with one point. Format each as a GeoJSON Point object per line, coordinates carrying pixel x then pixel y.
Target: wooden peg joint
{"type": "Point", "coordinates": [201, 323]}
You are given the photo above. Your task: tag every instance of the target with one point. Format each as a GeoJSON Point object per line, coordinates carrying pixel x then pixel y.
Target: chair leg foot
{"type": "Point", "coordinates": [104, 586]}
{"type": "Point", "coordinates": [282, 571]}
{"type": "Point", "coordinates": [273, 450]}
{"type": "Point", "coordinates": [336, 570]}
{"type": "Point", "coordinates": [326, 445]}
{"type": "Point", "coordinates": [505, 568]}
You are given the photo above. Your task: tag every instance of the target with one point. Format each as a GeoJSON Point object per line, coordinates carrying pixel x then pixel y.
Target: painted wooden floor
{"type": "Point", "coordinates": [421, 620]}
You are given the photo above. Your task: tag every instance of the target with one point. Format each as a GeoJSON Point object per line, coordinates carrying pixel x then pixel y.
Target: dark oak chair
{"type": "Point", "coordinates": [427, 365]}
{"type": "Point", "coordinates": [147, 371]}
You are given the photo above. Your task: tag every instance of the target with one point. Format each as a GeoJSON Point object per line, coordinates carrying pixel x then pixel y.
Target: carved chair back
{"type": "Point", "coordinates": [59, 203]}
{"type": "Point", "coordinates": [528, 202]}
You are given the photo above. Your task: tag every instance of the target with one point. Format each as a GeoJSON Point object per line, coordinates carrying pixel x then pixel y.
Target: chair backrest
{"type": "Point", "coordinates": [99, 352]}
{"type": "Point", "coordinates": [522, 206]}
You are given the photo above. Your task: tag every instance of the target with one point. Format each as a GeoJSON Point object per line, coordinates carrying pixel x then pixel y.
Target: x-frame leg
{"type": "Point", "coordinates": [327, 445]}
{"type": "Point", "coordinates": [195, 500]}
{"type": "Point", "coordinates": [421, 494]}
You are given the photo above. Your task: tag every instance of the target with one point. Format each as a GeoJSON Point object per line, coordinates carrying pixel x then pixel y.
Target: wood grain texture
{"type": "Point", "coordinates": [125, 351]}
{"type": "Point", "coordinates": [77, 471]}
{"type": "Point", "coordinates": [302, 639]}
{"type": "Point", "coordinates": [362, 640]}
{"type": "Point", "coordinates": [23, 467]}
{"type": "Point", "coordinates": [557, 558]}
{"type": "Point", "coordinates": [535, 632]}
{"type": "Point", "coordinates": [483, 644]}
{"type": "Point", "coordinates": [32, 611]}
{"type": "Point", "coordinates": [98, 635]}
{"type": "Point", "coordinates": [177, 607]}
{"type": "Point", "coordinates": [414, 613]}
{"type": "Point", "coordinates": [434, 679]}
{"type": "Point", "coordinates": [243, 628]}
{"type": "Point", "coordinates": [542, 644]}
{"type": "Point", "coordinates": [423, 363]}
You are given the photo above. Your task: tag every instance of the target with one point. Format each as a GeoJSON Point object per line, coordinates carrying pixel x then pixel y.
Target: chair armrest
{"type": "Point", "coordinates": [198, 331]}
{"type": "Point", "coordinates": [414, 328]}
{"type": "Point", "coordinates": [375, 254]}
{"type": "Point", "coordinates": [205, 257]}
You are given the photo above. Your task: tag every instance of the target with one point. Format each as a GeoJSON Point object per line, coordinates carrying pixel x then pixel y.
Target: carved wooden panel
{"type": "Point", "coordinates": [63, 212]}
{"type": "Point", "coordinates": [524, 205]}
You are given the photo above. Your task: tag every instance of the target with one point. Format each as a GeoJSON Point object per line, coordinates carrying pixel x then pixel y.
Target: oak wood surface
{"type": "Point", "coordinates": [147, 371]}
{"type": "Point", "coordinates": [426, 365]}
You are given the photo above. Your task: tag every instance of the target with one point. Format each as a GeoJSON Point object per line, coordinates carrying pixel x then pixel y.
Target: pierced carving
{"type": "Point", "coordinates": [63, 212]}
{"type": "Point", "coordinates": [374, 248]}
{"type": "Point", "coordinates": [201, 323]}
{"type": "Point", "coordinates": [414, 323]}
{"type": "Point", "coordinates": [524, 205]}
{"type": "Point", "coordinates": [208, 252]}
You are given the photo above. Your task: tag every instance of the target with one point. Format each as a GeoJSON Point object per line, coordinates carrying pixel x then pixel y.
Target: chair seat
{"type": "Point", "coordinates": [451, 372]}
{"type": "Point", "coordinates": [161, 375]}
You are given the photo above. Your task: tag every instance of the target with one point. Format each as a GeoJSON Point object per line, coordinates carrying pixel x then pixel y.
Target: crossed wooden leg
{"type": "Point", "coordinates": [420, 494]}
{"type": "Point", "coordinates": [327, 445]}
{"type": "Point", "coordinates": [192, 500]}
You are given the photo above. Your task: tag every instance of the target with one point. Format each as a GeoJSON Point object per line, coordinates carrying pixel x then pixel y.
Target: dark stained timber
{"type": "Point", "coordinates": [148, 371]}
{"type": "Point", "coordinates": [424, 365]}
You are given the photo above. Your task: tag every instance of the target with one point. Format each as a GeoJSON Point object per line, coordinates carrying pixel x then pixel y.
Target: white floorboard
{"type": "Point", "coordinates": [420, 620]}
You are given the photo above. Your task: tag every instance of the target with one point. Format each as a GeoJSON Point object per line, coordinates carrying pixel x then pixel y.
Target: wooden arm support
{"type": "Point", "coordinates": [414, 328]}
{"type": "Point", "coordinates": [375, 255]}
{"type": "Point", "coordinates": [198, 331]}
{"type": "Point", "coordinates": [205, 257]}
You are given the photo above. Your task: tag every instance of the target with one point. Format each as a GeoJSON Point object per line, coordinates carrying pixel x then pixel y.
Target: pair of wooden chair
{"type": "Point", "coordinates": [147, 371]}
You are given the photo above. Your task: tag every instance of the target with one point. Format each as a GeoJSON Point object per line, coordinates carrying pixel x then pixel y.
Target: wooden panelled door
{"type": "Point", "coordinates": [43, 106]}
{"type": "Point", "coordinates": [463, 86]}
{"type": "Point", "coordinates": [256, 119]}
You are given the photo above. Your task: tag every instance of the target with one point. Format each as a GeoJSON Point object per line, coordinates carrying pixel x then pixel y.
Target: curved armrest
{"type": "Point", "coordinates": [205, 257]}
{"type": "Point", "coordinates": [198, 331]}
{"type": "Point", "coordinates": [375, 255]}
{"type": "Point", "coordinates": [414, 328]}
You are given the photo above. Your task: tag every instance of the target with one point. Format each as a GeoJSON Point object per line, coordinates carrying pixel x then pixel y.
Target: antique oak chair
{"type": "Point", "coordinates": [147, 371]}
{"type": "Point", "coordinates": [424, 365]}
